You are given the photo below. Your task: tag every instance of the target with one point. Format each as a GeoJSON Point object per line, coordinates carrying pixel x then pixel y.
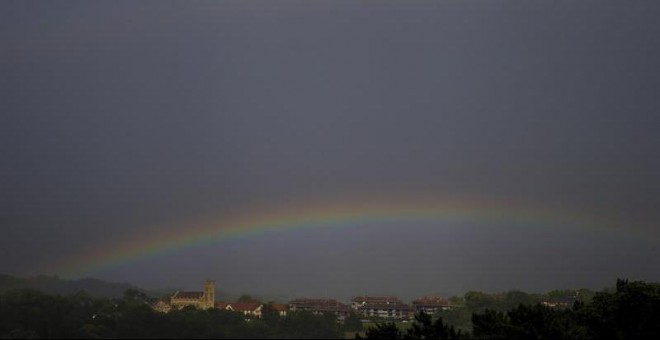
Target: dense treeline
{"type": "Point", "coordinates": [477, 302]}
{"type": "Point", "coordinates": [631, 311]}
{"type": "Point", "coordinates": [32, 314]}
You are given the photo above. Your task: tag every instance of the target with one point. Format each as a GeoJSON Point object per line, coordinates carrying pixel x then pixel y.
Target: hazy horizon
{"type": "Point", "coordinates": [224, 295]}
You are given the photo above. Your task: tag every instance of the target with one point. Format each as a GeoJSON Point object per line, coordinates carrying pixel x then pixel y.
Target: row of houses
{"type": "Point", "coordinates": [383, 307]}
{"type": "Point", "coordinates": [250, 309]}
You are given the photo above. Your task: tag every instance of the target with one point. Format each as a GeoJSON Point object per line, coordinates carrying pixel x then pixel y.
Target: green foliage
{"type": "Point", "coordinates": [489, 324]}
{"type": "Point", "coordinates": [425, 328]}
{"type": "Point", "coordinates": [595, 315]}
{"type": "Point", "coordinates": [353, 323]}
{"type": "Point", "coordinates": [478, 302]}
{"type": "Point", "coordinates": [32, 314]}
{"type": "Point", "coordinates": [305, 325]}
{"type": "Point", "coordinates": [246, 298]}
{"type": "Point", "coordinates": [422, 328]}
{"type": "Point", "coordinates": [458, 317]}
{"type": "Point", "coordinates": [527, 322]}
{"type": "Point", "coordinates": [269, 315]}
{"type": "Point", "coordinates": [515, 298]}
{"type": "Point", "coordinates": [382, 330]}
{"type": "Point", "coordinates": [632, 312]}
{"type": "Point", "coordinates": [135, 295]}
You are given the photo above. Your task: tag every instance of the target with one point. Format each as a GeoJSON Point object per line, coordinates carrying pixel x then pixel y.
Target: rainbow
{"type": "Point", "coordinates": [312, 214]}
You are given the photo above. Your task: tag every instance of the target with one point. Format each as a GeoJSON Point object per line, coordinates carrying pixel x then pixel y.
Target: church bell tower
{"type": "Point", "coordinates": [209, 294]}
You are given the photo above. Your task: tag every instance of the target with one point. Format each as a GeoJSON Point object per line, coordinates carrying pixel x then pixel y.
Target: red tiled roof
{"type": "Point", "coordinates": [431, 301]}
{"type": "Point", "coordinates": [376, 299]}
{"type": "Point", "coordinates": [384, 306]}
{"type": "Point", "coordinates": [221, 304]}
{"type": "Point", "coordinates": [238, 306]}
{"type": "Point", "coordinates": [244, 306]}
{"type": "Point", "coordinates": [319, 304]}
{"type": "Point", "coordinates": [188, 295]}
{"type": "Point", "coordinates": [278, 307]}
{"type": "Point", "coordinates": [325, 302]}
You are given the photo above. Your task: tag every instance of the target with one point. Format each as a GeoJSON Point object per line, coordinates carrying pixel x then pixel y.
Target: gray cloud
{"type": "Point", "coordinates": [118, 117]}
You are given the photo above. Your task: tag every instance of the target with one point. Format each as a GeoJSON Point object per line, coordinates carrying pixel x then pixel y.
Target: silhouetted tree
{"type": "Point", "coordinates": [353, 323]}
{"type": "Point", "coordinates": [631, 311]}
{"type": "Point", "coordinates": [385, 330]}
{"type": "Point", "coordinates": [135, 295]}
{"type": "Point", "coordinates": [246, 298]}
{"type": "Point", "coordinates": [422, 328]}
{"type": "Point", "coordinates": [269, 315]}
{"type": "Point", "coordinates": [425, 328]}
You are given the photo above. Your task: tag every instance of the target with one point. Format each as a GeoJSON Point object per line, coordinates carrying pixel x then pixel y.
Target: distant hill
{"type": "Point", "coordinates": [55, 285]}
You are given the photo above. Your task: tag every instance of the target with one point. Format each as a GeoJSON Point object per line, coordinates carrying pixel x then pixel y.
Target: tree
{"type": "Point", "coordinates": [269, 315]}
{"type": "Point", "coordinates": [353, 323]}
{"type": "Point", "coordinates": [422, 328]}
{"type": "Point", "coordinates": [246, 298]}
{"type": "Point", "coordinates": [460, 317]}
{"type": "Point", "coordinates": [489, 325]}
{"type": "Point", "coordinates": [305, 325]}
{"type": "Point", "coordinates": [425, 328]}
{"type": "Point", "coordinates": [134, 295]}
{"type": "Point", "coordinates": [478, 301]}
{"type": "Point", "coordinates": [632, 311]}
{"type": "Point", "coordinates": [387, 330]}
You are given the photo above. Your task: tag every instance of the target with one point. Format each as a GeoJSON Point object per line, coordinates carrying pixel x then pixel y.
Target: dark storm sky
{"type": "Point", "coordinates": [116, 117]}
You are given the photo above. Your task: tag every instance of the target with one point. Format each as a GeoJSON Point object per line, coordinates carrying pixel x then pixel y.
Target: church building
{"type": "Point", "coordinates": [201, 300]}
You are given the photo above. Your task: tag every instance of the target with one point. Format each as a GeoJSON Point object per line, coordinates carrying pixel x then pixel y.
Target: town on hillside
{"type": "Point", "coordinates": [369, 307]}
